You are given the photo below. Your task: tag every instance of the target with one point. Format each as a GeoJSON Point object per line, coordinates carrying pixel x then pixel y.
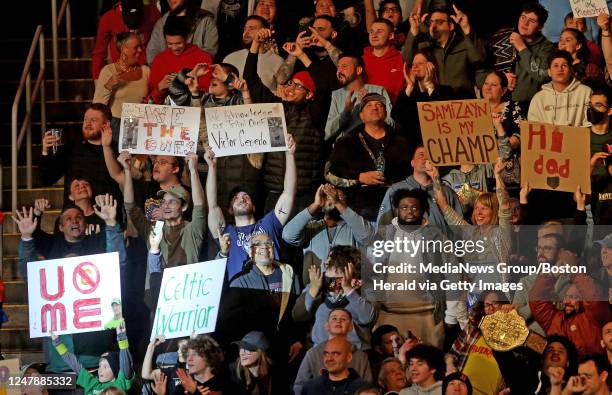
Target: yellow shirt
{"type": "Point", "coordinates": [482, 369]}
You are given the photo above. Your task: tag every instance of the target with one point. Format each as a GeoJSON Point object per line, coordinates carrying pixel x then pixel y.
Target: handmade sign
{"type": "Point", "coordinates": [73, 295]}
{"type": "Point", "coordinates": [555, 157]}
{"type": "Point", "coordinates": [458, 131]}
{"type": "Point", "coordinates": [10, 377]}
{"type": "Point", "coordinates": [189, 299]}
{"type": "Point", "coordinates": [588, 8]}
{"type": "Point", "coordinates": [246, 129]}
{"type": "Point", "coordinates": [159, 130]}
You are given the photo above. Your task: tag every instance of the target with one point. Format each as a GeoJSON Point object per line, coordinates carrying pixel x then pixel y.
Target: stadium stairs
{"type": "Point", "coordinates": [76, 91]}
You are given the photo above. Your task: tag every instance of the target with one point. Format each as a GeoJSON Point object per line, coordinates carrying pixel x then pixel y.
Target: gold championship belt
{"type": "Point", "coordinates": [506, 331]}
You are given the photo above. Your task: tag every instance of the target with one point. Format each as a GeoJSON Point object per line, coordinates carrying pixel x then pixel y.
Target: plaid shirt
{"type": "Point", "coordinates": [462, 345]}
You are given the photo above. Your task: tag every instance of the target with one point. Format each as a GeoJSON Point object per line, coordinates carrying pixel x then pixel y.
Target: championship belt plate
{"type": "Point", "coordinates": [506, 331]}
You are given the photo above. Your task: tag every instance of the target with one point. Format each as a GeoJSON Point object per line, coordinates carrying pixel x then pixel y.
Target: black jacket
{"type": "Point", "coordinates": [322, 385]}
{"type": "Point", "coordinates": [304, 122]}
{"type": "Point", "coordinates": [350, 158]}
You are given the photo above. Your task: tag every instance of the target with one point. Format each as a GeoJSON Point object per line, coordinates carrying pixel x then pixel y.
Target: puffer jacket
{"type": "Point", "coordinates": [566, 108]}
{"type": "Point", "coordinates": [305, 122]}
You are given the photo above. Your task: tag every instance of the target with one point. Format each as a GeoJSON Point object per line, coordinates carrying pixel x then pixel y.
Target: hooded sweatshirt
{"type": "Point", "coordinates": [561, 108]}
{"type": "Point", "coordinates": [385, 71]}
{"type": "Point", "coordinates": [435, 389]}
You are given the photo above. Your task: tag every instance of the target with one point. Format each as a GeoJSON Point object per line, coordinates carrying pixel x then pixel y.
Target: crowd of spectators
{"type": "Point", "coordinates": [297, 312]}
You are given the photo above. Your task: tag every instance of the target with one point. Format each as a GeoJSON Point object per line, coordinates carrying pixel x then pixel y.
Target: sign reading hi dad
{"type": "Point", "coordinates": [555, 157]}
{"type": "Point", "coordinates": [458, 131]}
{"type": "Point", "coordinates": [72, 295]}
{"type": "Point", "coordinates": [159, 130]}
{"type": "Point", "coordinates": [588, 8]}
{"type": "Point", "coordinates": [189, 299]}
{"type": "Point", "coordinates": [246, 129]}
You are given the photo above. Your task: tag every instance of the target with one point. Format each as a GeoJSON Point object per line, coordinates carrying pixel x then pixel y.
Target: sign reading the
{"type": "Point", "coordinates": [458, 131]}
{"type": "Point", "coordinates": [588, 8]}
{"type": "Point", "coordinates": [73, 295]}
{"type": "Point", "coordinates": [189, 299]}
{"type": "Point", "coordinates": [246, 129]}
{"type": "Point", "coordinates": [555, 157]}
{"type": "Point", "coordinates": [159, 130]}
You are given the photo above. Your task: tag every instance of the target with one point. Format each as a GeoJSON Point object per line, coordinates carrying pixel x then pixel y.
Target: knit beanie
{"type": "Point", "coordinates": [112, 357]}
{"type": "Point", "coordinates": [457, 376]}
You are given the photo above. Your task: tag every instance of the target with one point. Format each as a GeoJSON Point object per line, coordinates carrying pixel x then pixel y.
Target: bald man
{"type": "Point", "coordinates": [337, 377]}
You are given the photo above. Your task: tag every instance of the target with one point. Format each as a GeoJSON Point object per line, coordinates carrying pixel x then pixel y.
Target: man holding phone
{"type": "Point", "coordinates": [177, 56]}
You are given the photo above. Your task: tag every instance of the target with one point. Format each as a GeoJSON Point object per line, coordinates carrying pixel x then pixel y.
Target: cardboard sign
{"type": "Point", "coordinates": [458, 132]}
{"type": "Point", "coordinates": [9, 372]}
{"type": "Point", "coordinates": [588, 8]}
{"type": "Point", "coordinates": [73, 295]}
{"type": "Point", "coordinates": [159, 130]}
{"type": "Point", "coordinates": [246, 129]}
{"type": "Point", "coordinates": [189, 299]}
{"type": "Point", "coordinates": [555, 157]}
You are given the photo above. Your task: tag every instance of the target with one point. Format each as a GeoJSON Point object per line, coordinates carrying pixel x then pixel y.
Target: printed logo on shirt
{"type": "Point", "coordinates": [486, 351]}
{"type": "Point", "coordinates": [243, 239]}
{"type": "Point", "coordinates": [605, 196]}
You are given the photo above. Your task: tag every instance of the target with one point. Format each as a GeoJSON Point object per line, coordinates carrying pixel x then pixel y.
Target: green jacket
{"type": "Point", "coordinates": [532, 68]}
{"type": "Point", "coordinates": [460, 63]}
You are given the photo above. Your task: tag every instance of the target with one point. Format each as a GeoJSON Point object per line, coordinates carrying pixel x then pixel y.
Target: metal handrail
{"type": "Point", "coordinates": [56, 20]}
{"type": "Point", "coordinates": [25, 82]}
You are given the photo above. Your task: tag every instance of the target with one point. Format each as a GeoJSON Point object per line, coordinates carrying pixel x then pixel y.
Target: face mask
{"type": "Point", "coordinates": [594, 116]}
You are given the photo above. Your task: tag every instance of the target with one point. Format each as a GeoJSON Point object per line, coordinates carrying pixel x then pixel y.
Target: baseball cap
{"type": "Point", "coordinates": [132, 12]}
{"type": "Point", "coordinates": [116, 301]}
{"type": "Point", "coordinates": [177, 191]}
{"type": "Point", "coordinates": [253, 341]}
{"type": "Point", "coordinates": [373, 97]}
{"type": "Point", "coordinates": [606, 241]}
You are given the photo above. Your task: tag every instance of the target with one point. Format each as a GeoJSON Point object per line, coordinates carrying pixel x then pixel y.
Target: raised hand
{"type": "Point", "coordinates": [580, 199]}
{"type": "Point", "coordinates": [317, 39]}
{"type": "Point", "coordinates": [107, 135]}
{"type": "Point", "coordinates": [555, 374]}
{"type": "Point", "coordinates": [40, 205]}
{"type": "Point", "coordinates": [159, 384]}
{"type": "Point", "coordinates": [316, 280]}
{"type": "Point", "coordinates": [291, 146]}
{"type": "Point", "coordinates": [461, 19]}
{"type": "Point", "coordinates": [524, 193]}
{"type": "Point", "coordinates": [155, 241]}
{"type": "Point", "coordinates": [209, 157]}
{"type": "Point", "coordinates": [125, 159]}
{"type": "Point", "coordinates": [191, 160]}
{"type": "Point", "coordinates": [499, 166]}
{"type": "Point", "coordinates": [372, 178]}
{"type": "Point", "coordinates": [319, 199]}
{"type": "Point", "coordinates": [293, 49]}
{"type": "Point", "coordinates": [575, 384]}
{"type": "Point", "coordinates": [295, 351]}
{"type": "Point", "coordinates": [303, 39]}
{"type": "Point", "coordinates": [511, 80]}
{"type": "Point", "coordinates": [106, 209]}
{"type": "Point", "coordinates": [349, 282]}
{"type": "Point", "coordinates": [603, 21]}
{"type": "Point", "coordinates": [241, 85]}
{"type": "Point", "coordinates": [200, 70]}
{"type": "Point", "coordinates": [225, 242]}
{"type": "Point", "coordinates": [26, 222]}
{"type": "Point", "coordinates": [189, 384]}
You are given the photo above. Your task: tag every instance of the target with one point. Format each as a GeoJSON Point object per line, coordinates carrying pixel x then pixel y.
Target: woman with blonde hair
{"type": "Point", "coordinates": [491, 227]}
{"type": "Point", "coordinates": [252, 370]}
{"type": "Point", "coordinates": [124, 81]}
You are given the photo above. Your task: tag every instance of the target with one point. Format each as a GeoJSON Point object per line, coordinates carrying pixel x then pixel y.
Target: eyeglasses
{"type": "Point", "coordinates": [294, 84]}
{"type": "Point", "coordinates": [170, 203]}
{"type": "Point", "coordinates": [392, 10]}
{"type": "Point", "coordinates": [263, 244]}
{"type": "Point", "coordinates": [492, 304]}
{"type": "Point", "coordinates": [162, 162]}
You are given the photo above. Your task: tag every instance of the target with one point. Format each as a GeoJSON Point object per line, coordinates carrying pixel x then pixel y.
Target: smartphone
{"type": "Point", "coordinates": [159, 226]}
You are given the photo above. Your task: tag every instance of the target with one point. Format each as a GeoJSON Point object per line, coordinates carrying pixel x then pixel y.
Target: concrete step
{"type": "Point", "coordinates": [6, 152]}
{"type": "Point", "coordinates": [63, 110]}
{"type": "Point", "coordinates": [18, 340]}
{"type": "Point", "coordinates": [82, 47]}
{"type": "Point", "coordinates": [21, 174]}
{"type": "Point", "coordinates": [17, 314]}
{"type": "Point", "coordinates": [10, 268]}
{"type": "Point", "coordinates": [70, 89]}
{"type": "Point", "coordinates": [67, 68]}
{"type": "Point", "coordinates": [26, 197]}
{"type": "Point", "coordinates": [15, 291]}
